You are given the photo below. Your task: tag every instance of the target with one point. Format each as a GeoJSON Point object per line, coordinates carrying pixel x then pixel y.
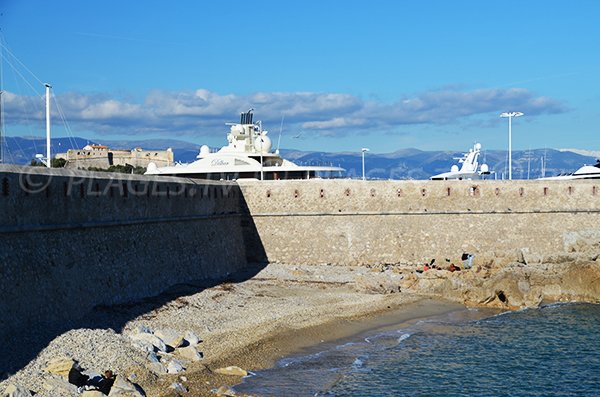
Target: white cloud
{"type": "Point", "coordinates": [202, 112]}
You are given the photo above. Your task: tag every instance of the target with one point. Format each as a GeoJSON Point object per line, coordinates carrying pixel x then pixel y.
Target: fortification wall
{"type": "Point", "coordinates": [356, 222]}
{"type": "Point", "coordinates": [70, 241]}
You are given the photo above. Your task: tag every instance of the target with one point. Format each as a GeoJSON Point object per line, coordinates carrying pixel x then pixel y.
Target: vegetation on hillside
{"type": "Point", "coordinates": [123, 169]}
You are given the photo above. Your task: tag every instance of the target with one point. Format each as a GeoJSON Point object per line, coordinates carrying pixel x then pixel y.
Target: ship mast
{"type": "Point", "coordinates": [1, 130]}
{"type": "Point", "coordinates": [48, 158]}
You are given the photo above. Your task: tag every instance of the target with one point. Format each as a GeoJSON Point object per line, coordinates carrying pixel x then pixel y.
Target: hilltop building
{"type": "Point", "coordinates": [100, 156]}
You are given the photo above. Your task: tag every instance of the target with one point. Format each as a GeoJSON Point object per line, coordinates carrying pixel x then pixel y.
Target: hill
{"type": "Point", "coordinates": [406, 163]}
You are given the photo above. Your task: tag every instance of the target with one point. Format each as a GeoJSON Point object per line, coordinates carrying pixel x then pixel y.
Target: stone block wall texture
{"type": "Point", "coordinates": [70, 241]}
{"type": "Point", "coordinates": [356, 222]}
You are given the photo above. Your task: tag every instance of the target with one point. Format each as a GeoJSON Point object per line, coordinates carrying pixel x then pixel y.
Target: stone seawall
{"type": "Point", "coordinates": [70, 241]}
{"type": "Point", "coordinates": [377, 222]}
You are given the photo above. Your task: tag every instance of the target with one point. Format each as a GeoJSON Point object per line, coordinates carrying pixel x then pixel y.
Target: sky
{"type": "Point", "coordinates": [341, 75]}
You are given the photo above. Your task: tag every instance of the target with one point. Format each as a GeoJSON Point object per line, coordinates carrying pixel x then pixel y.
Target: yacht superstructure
{"type": "Point", "coordinates": [247, 155]}
{"type": "Point", "coordinates": [469, 169]}
{"type": "Point", "coordinates": [585, 172]}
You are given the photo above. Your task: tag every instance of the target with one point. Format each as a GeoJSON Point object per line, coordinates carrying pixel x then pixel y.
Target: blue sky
{"type": "Point", "coordinates": [380, 74]}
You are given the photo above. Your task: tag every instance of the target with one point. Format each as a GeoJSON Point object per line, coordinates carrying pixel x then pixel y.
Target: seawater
{"type": "Point", "coordinates": [549, 351]}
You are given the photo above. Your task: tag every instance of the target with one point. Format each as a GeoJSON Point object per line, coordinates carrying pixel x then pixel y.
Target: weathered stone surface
{"type": "Point", "coordinates": [63, 293]}
{"type": "Point", "coordinates": [149, 338]}
{"type": "Point", "coordinates": [170, 337]}
{"type": "Point", "coordinates": [378, 284]}
{"type": "Point", "coordinates": [16, 391]}
{"type": "Point", "coordinates": [232, 371]}
{"type": "Point", "coordinates": [175, 366]}
{"type": "Point", "coordinates": [192, 338]}
{"type": "Point", "coordinates": [58, 386]}
{"type": "Point", "coordinates": [157, 368]}
{"type": "Point", "coordinates": [124, 388]}
{"type": "Point", "coordinates": [189, 353]}
{"type": "Point", "coordinates": [92, 393]}
{"type": "Point", "coordinates": [60, 366]}
{"type": "Point", "coordinates": [225, 391]}
{"type": "Point", "coordinates": [143, 345]}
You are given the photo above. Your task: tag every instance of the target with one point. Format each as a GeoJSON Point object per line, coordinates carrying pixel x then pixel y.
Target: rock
{"type": "Point", "coordinates": [157, 368]}
{"type": "Point", "coordinates": [60, 366]}
{"type": "Point", "coordinates": [175, 367]}
{"type": "Point", "coordinates": [179, 388]}
{"type": "Point", "coordinates": [153, 358]}
{"type": "Point", "coordinates": [16, 391]}
{"type": "Point", "coordinates": [232, 371]}
{"type": "Point", "coordinates": [124, 388]}
{"type": "Point", "coordinates": [170, 337]}
{"type": "Point", "coordinates": [142, 329]}
{"type": "Point", "coordinates": [192, 338]}
{"type": "Point", "coordinates": [92, 393]}
{"type": "Point", "coordinates": [225, 391]}
{"type": "Point", "coordinates": [152, 339]}
{"type": "Point", "coordinates": [376, 284]}
{"type": "Point", "coordinates": [189, 353]}
{"type": "Point", "coordinates": [143, 345]}
{"type": "Point", "coordinates": [58, 387]}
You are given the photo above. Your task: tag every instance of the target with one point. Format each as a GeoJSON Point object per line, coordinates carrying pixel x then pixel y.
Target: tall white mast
{"type": "Point", "coordinates": [48, 158]}
{"type": "Point", "coordinates": [1, 128]}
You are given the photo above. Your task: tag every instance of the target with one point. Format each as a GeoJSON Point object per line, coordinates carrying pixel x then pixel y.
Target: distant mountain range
{"type": "Point", "coordinates": [401, 164]}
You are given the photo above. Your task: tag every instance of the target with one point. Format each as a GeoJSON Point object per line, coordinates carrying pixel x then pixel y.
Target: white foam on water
{"type": "Point", "coordinates": [403, 337]}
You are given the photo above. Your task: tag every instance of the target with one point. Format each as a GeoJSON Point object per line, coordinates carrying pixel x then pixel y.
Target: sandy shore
{"type": "Point", "coordinates": [251, 324]}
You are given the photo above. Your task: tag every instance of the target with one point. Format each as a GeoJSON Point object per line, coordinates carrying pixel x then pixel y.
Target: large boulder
{"type": "Point", "coordinates": [175, 367]}
{"type": "Point", "coordinates": [157, 342]}
{"type": "Point", "coordinates": [124, 388]}
{"type": "Point", "coordinates": [60, 366]}
{"type": "Point", "coordinates": [157, 368]}
{"type": "Point", "coordinates": [231, 371]}
{"type": "Point", "coordinates": [192, 338]}
{"type": "Point", "coordinates": [170, 337]}
{"type": "Point", "coordinates": [189, 353]}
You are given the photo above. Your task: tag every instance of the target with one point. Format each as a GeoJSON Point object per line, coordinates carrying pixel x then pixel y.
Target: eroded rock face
{"type": "Point", "coordinates": [60, 366]}
{"type": "Point", "coordinates": [574, 277]}
{"type": "Point", "coordinates": [170, 337]}
{"type": "Point", "coordinates": [124, 388]}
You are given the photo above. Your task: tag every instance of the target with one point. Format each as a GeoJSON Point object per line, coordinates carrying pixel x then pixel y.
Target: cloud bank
{"type": "Point", "coordinates": [202, 112]}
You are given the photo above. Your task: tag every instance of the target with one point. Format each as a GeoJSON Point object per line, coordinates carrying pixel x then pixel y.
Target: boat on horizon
{"type": "Point", "coordinates": [470, 168]}
{"type": "Point", "coordinates": [585, 172]}
{"type": "Point", "coordinates": [247, 155]}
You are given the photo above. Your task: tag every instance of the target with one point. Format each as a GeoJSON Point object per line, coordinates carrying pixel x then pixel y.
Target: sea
{"type": "Point", "coordinates": [553, 350]}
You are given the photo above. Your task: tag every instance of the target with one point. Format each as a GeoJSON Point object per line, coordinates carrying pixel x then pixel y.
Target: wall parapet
{"type": "Point", "coordinates": [370, 222]}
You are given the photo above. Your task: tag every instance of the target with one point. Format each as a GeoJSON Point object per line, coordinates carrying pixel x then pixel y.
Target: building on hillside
{"type": "Point", "coordinates": [100, 156]}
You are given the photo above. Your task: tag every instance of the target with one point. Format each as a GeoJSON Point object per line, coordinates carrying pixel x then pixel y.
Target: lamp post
{"type": "Point", "coordinates": [363, 150]}
{"type": "Point", "coordinates": [510, 115]}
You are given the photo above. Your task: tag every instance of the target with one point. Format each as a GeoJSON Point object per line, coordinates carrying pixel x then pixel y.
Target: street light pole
{"type": "Point", "coordinates": [510, 115]}
{"type": "Point", "coordinates": [363, 150]}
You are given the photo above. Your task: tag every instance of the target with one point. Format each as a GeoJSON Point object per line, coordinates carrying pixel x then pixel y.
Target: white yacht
{"type": "Point", "coordinates": [247, 156]}
{"type": "Point", "coordinates": [469, 169]}
{"type": "Point", "coordinates": [585, 172]}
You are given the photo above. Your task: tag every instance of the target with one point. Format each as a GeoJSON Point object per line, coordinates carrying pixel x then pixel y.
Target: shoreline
{"type": "Point", "coordinates": [282, 311]}
{"type": "Point", "coordinates": [285, 343]}
{"type": "Point", "coordinates": [292, 344]}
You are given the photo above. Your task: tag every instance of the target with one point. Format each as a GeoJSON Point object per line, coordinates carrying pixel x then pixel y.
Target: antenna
{"type": "Point", "coordinates": [280, 131]}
